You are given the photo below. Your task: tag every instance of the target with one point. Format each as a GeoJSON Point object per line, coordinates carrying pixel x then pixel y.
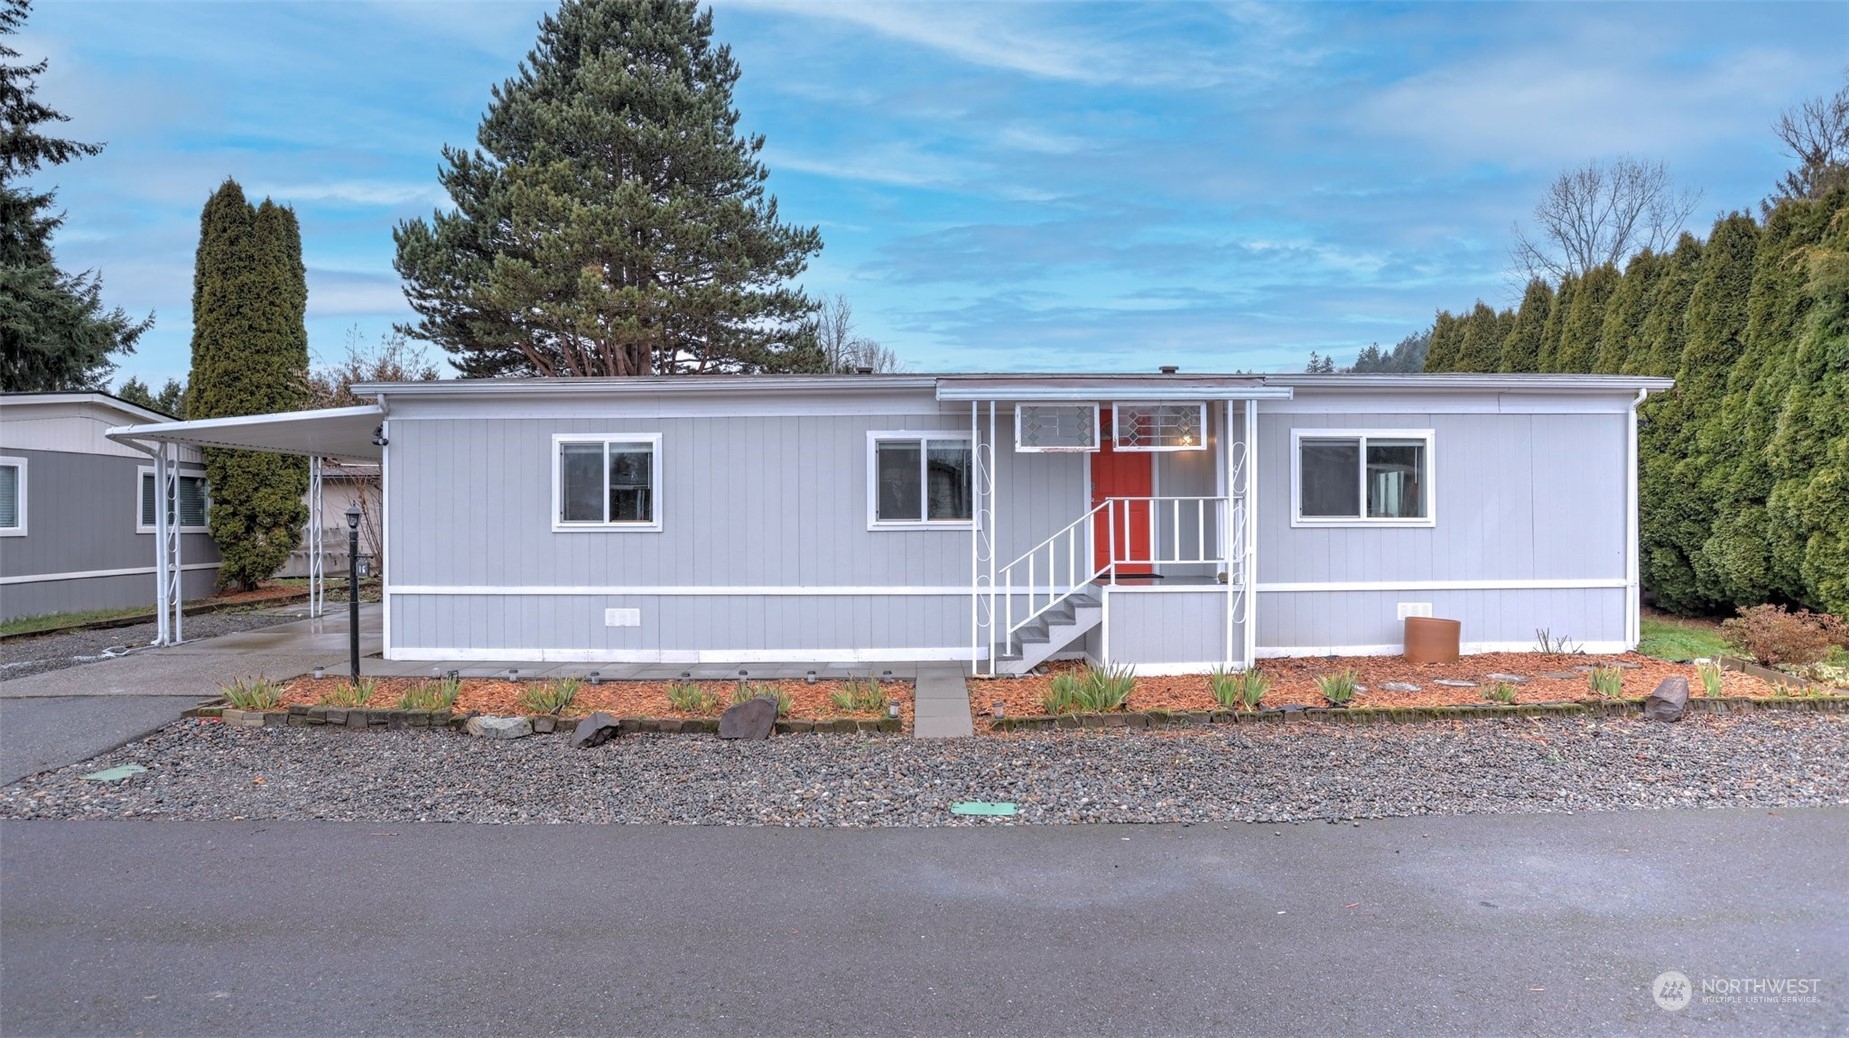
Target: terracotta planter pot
{"type": "Point", "coordinates": [1432, 640]}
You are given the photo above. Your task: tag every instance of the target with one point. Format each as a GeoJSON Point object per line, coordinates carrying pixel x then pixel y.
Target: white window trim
{"type": "Point", "coordinates": [873, 480]}
{"type": "Point", "coordinates": [145, 473]}
{"type": "Point", "coordinates": [654, 490]}
{"type": "Point", "coordinates": [1096, 431]}
{"type": "Point", "coordinates": [20, 530]}
{"type": "Point", "coordinates": [1430, 487]}
{"type": "Point", "coordinates": [1117, 410]}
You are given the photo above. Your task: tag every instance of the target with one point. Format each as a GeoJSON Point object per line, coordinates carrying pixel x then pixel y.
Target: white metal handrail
{"type": "Point", "coordinates": [1077, 540]}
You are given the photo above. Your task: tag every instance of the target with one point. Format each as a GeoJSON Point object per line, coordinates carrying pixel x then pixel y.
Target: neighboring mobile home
{"type": "Point", "coordinates": [77, 510]}
{"type": "Point", "coordinates": [1172, 522]}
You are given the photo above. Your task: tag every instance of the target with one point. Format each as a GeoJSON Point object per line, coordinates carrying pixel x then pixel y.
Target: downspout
{"type": "Point", "coordinates": [1633, 583]}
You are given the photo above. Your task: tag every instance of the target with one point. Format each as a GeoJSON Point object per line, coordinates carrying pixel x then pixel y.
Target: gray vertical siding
{"type": "Point", "coordinates": [81, 512]}
{"type": "Point", "coordinates": [1317, 623]}
{"type": "Point", "coordinates": [1169, 627]}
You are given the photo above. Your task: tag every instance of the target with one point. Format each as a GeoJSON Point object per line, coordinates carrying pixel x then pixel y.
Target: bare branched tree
{"type": "Point", "coordinates": [846, 351]}
{"type": "Point", "coordinates": [1816, 133]}
{"type": "Point", "coordinates": [1601, 214]}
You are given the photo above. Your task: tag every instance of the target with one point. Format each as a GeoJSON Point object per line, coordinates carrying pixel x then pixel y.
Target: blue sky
{"type": "Point", "coordinates": [1026, 186]}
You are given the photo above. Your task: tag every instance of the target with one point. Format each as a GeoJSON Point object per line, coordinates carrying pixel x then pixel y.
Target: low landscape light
{"type": "Point", "coordinates": [892, 709]}
{"type": "Point", "coordinates": [809, 677]}
{"type": "Point", "coordinates": [596, 677]}
{"type": "Point", "coordinates": [997, 708]}
{"type": "Point", "coordinates": [320, 672]}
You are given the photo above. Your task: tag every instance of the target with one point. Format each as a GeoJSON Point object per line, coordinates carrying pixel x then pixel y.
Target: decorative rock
{"type": "Point", "coordinates": [1398, 686]}
{"type": "Point", "coordinates": [544, 725]}
{"type": "Point", "coordinates": [752, 719]}
{"type": "Point", "coordinates": [1513, 679]}
{"type": "Point", "coordinates": [1561, 675]}
{"type": "Point", "coordinates": [1455, 683]}
{"type": "Point", "coordinates": [497, 727]}
{"type": "Point", "coordinates": [1668, 701]}
{"type": "Point", "coordinates": [595, 730]}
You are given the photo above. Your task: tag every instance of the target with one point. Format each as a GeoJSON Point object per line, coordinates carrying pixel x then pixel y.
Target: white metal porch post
{"type": "Point", "coordinates": [1229, 523]}
{"type": "Point", "coordinates": [1250, 576]}
{"type": "Point", "coordinates": [317, 560]}
{"type": "Point", "coordinates": [168, 600]}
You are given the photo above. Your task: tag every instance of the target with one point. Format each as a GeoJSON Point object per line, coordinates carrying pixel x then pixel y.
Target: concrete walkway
{"type": "Point", "coordinates": [940, 709]}
{"type": "Point", "coordinates": [63, 716]}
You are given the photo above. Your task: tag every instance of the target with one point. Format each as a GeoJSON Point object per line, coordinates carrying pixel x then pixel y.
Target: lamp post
{"type": "Point", "coordinates": [353, 590]}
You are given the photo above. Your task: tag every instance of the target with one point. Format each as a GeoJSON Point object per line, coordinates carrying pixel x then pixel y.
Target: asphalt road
{"type": "Point", "coordinates": [45, 732]}
{"type": "Point", "coordinates": [1493, 924]}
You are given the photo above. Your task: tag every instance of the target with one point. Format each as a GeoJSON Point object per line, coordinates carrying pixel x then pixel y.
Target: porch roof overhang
{"type": "Point", "coordinates": [1108, 387]}
{"type": "Point", "coordinates": [338, 432]}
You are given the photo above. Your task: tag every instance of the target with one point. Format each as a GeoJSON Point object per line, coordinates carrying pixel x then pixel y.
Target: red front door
{"type": "Point", "coordinates": [1121, 474]}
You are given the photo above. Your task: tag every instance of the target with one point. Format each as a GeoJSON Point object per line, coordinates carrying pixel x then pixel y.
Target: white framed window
{"type": "Point", "coordinates": [920, 481]}
{"type": "Point", "coordinates": [12, 497]}
{"type": "Point", "coordinates": [1159, 427]}
{"type": "Point", "coordinates": [194, 501]}
{"type": "Point", "coordinates": [1361, 477]}
{"type": "Point", "coordinates": [1055, 428]}
{"type": "Point", "coordinates": [606, 482]}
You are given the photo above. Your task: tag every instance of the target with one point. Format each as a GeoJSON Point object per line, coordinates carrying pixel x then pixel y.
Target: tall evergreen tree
{"type": "Point", "coordinates": [1585, 320]}
{"type": "Point", "coordinates": [613, 221]}
{"type": "Point", "coordinates": [1445, 342]}
{"type": "Point", "coordinates": [1480, 347]}
{"type": "Point", "coordinates": [54, 332]}
{"type": "Point", "coordinates": [1622, 334]}
{"type": "Point", "coordinates": [1665, 329]}
{"type": "Point", "coordinates": [250, 356]}
{"type": "Point", "coordinates": [1548, 359]}
{"type": "Point", "coordinates": [1521, 351]}
{"type": "Point", "coordinates": [1740, 552]}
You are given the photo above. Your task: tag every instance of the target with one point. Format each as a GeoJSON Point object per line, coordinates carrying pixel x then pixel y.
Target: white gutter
{"type": "Point", "coordinates": [1126, 392]}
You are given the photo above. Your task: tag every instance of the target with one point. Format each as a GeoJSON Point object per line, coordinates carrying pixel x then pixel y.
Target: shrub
{"type": "Point", "coordinates": [690, 698]}
{"type": "Point", "coordinates": [1606, 682]}
{"type": "Point", "coordinates": [1710, 674]}
{"type": "Point", "coordinates": [859, 697]}
{"type": "Point", "coordinates": [745, 693]}
{"type": "Point", "coordinates": [549, 697]}
{"type": "Point", "coordinates": [1778, 638]}
{"type": "Point", "coordinates": [1339, 689]}
{"type": "Point", "coordinates": [259, 693]}
{"type": "Point", "coordinates": [353, 694]}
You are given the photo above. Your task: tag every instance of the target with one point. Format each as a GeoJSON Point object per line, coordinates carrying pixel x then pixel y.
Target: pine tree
{"type": "Point", "coordinates": [612, 221]}
{"type": "Point", "coordinates": [1521, 350]}
{"type": "Point", "coordinates": [1585, 320]}
{"type": "Point", "coordinates": [1621, 337]}
{"type": "Point", "coordinates": [1480, 346]}
{"type": "Point", "coordinates": [54, 332]}
{"type": "Point", "coordinates": [1445, 342]}
{"type": "Point", "coordinates": [171, 400]}
{"type": "Point", "coordinates": [250, 356]}
{"type": "Point", "coordinates": [1548, 358]}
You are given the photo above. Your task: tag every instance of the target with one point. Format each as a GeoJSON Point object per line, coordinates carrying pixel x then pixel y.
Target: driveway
{"type": "Point", "coordinates": [63, 716]}
{"type": "Point", "coordinates": [1489, 924]}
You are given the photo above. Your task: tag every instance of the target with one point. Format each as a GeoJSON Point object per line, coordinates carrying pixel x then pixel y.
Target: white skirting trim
{"type": "Point", "coordinates": [1395, 649]}
{"type": "Point", "coordinates": [718, 591]}
{"type": "Point", "coordinates": [1545, 584]}
{"type": "Point", "coordinates": [899, 655]}
{"type": "Point", "coordinates": [1161, 670]}
{"type": "Point", "coordinates": [93, 574]}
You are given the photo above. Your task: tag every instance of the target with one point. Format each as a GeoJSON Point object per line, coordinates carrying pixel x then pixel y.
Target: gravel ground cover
{"type": "Point", "coordinates": [40, 653]}
{"type": "Point", "coordinates": [1264, 773]}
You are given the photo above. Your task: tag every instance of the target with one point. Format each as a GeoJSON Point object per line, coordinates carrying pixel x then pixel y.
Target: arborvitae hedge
{"type": "Point", "coordinates": [1481, 346]}
{"type": "Point", "coordinates": [1625, 312]}
{"type": "Point", "coordinates": [1585, 319]}
{"type": "Point", "coordinates": [1521, 351]}
{"type": "Point", "coordinates": [250, 356]}
{"type": "Point", "coordinates": [1556, 322]}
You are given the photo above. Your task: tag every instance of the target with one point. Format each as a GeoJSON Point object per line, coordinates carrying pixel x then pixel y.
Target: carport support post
{"type": "Point", "coordinates": [353, 591]}
{"type": "Point", "coordinates": [317, 558]}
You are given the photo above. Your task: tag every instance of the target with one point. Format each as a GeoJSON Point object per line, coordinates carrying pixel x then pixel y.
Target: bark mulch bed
{"type": "Point", "coordinates": [808, 702]}
{"type": "Point", "coordinates": [1293, 682]}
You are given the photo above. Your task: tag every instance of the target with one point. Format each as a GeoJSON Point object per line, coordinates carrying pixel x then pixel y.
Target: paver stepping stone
{"type": "Point", "coordinates": [492, 727]}
{"type": "Point", "coordinates": [1561, 675]}
{"type": "Point", "coordinates": [115, 774]}
{"type": "Point", "coordinates": [1513, 679]}
{"type": "Point", "coordinates": [1399, 686]}
{"type": "Point", "coordinates": [1455, 683]}
{"type": "Point", "coordinates": [982, 807]}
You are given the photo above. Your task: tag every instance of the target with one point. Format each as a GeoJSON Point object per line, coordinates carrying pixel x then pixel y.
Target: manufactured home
{"type": "Point", "coordinates": [78, 517]}
{"type": "Point", "coordinates": [1171, 522]}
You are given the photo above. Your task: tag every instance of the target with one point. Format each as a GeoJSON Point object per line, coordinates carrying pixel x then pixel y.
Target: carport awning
{"type": "Point", "coordinates": [337, 432]}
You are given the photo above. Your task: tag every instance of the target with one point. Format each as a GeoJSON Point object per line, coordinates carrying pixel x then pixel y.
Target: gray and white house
{"type": "Point", "coordinates": [1170, 522]}
{"type": "Point", "coordinates": [78, 515]}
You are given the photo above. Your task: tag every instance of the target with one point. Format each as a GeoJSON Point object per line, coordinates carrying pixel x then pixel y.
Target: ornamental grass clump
{"type": "Point", "coordinates": [1106, 688]}
{"type": "Point", "coordinates": [1235, 689]}
{"type": "Point", "coordinates": [747, 692]}
{"type": "Point", "coordinates": [352, 694]}
{"type": "Point", "coordinates": [431, 696]}
{"type": "Point", "coordinates": [549, 697]}
{"type": "Point", "coordinates": [1339, 689]}
{"type": "Point", "coordinates": [690, 698]}
{"type": "Point", "coordinates": [1606, 682]}
{"type": "Point", "coordinates": [259, 693]}
{"type": "Point", "coordinates": [859, 697]}
{"type": "Point", "coordinates": [1710, 674]}
{"type": "Point", "coordinates": [1065, 694]}
{"type": "Point", "coordinates": [1503, 692]}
